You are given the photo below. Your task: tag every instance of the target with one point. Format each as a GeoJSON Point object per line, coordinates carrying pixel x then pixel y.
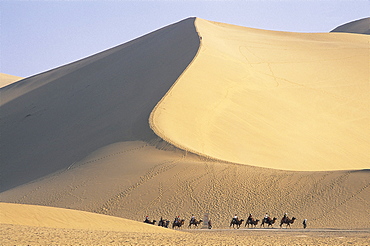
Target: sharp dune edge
{"type": "Point", "coordinates": [6, 79]}
{"type": "Point", "coordinates": [261, 121]}
{"type": "Point", "coordinates": [272, 99]}
{"type": "Point", "coordinates": [361, 26]}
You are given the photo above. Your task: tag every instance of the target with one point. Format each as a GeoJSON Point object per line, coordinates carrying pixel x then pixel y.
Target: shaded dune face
{"type": "Point", "coordinates": [290, 101]}
{"type": "Point", "coordinates": [51, 120]}
{"type": "Point", "coordinates": [361, 26]}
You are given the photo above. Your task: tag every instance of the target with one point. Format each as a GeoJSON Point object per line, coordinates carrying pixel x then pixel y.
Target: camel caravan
{"type": "Point", "coordinates": [267, 220]}
{"type": "Point", "coordinates": [178, 222]}
{"type": "Point", "coordinates": [236, 223]}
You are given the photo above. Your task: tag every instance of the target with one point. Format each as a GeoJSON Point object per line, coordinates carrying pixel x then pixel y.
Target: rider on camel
{"type": "Point", "coordinates": [266, 218]}
{"type": "Point", "coordinates": [250, 218]}
{"type": "Point", "coordinates": [235, 218]}
{"type": "Point", "coordinates": [285, 216]}
{"type": "Point", "coordinates": [192, 218]}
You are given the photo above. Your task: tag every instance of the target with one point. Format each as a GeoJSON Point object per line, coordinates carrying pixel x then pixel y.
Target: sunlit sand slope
{"type": "Point", "coordinates": [280, 100]}
{"type": "Point", "coordinates": [7, 79]}
{"type": "Point", "coordinates": [51, 120]}
{"type": "Point", "coordinates": [41, 216]}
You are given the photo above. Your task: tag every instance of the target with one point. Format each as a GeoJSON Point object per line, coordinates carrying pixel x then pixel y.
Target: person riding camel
{"type": "Point", "coordinates": [266, 218]}
{"type": "Point", "coordinates": [192, 218]}
{"type": "Point", "coordinates": [250, 218]}
{"type": "Point", "coordinates": [177, 219]}
{"type": "Point", "coordinates": [235, 218]}
{"type": "Point", "coordinates": [146, 219]}
{"type": "Point", "coordinates": [285, 216]}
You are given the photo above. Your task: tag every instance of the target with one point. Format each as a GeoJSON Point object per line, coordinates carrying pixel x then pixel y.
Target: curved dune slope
{"type": "Point", "coordinates": [361, 26]}
{"type": "Point", "coordinates": [41, 216]}
{"type": "Point", "coordinates": [280, 100]}
{"type": "Point", "coordinates": [51, 120]}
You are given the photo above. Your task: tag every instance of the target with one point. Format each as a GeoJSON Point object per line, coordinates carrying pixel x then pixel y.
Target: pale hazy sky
{"type": "Point", "coordinates": [36, 36]}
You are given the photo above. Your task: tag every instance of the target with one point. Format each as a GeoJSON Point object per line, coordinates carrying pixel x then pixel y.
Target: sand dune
{"type": "Point", "coordinates": [249, 121]}
{"type": "Point", "coordinates": [56, 118]}
{"type": "Point", "coordinates": [281, 100]}
{"type": "Point", "coordinates": [40, 216]}
{"type": "Point", "coordinates": [7, 79]}
{"type": "Point", "coordinates": [361, 26]}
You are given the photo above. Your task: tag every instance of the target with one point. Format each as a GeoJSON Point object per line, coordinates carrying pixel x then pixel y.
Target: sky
{"type": "Point", "coordinates": [36, 36]}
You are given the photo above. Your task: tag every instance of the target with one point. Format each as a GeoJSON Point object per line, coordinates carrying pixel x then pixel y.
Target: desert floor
{"type": "Point", "coordinates": [28, 235]}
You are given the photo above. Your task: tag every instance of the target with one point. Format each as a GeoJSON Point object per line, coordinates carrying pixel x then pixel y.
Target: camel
{"type": "Point", "coordinates": [252, 222]}
{"type": "Point", "coordinates": [195, 223]}
{"type": "Point", "coordinates": [287, 221]}
{"type": "Point", "coordinates": [163, 223]}
{"type": "Point", "coordinates": [268, 221]}
{"type": "Point", "coordinates": [178, 224]}
{"type": "Point", "coordinates": [236, 222]}
{"type": "Point", "coordinates": [150, 222]}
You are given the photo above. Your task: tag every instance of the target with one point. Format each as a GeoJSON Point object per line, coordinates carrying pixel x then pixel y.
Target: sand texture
{"type": "Point", "coordinates": [272, 99]}
{"type": "Point", "coordinates": [198, 118]}
{"type": "Point", "coordinates": [134, 179]}
{"type": "Point", "coordinates": [7, 79]}
{"type": "Point", "coordinates": [24, 235]}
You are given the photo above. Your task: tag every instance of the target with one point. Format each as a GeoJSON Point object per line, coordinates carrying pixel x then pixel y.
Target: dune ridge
{"type": "Point", "coordinates": [361, 26]}
{"type": "Point", "coordinates": [59, 117]}
{"type": "Point", "coordinates": [260, 98]}
{"type": "Point", "coordinates": [7, 79]}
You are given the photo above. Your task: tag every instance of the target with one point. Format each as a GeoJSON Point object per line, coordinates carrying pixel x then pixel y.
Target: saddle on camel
{"type": "Point", "coordinates": [268, 221]}
{"type": "Point", "coordinates": [287, 221]}
{"type": "Point", "coordinates": [236, 222]}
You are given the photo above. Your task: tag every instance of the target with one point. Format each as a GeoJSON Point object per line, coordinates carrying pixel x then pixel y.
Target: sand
{"type": "Point", "coordinates": [25, 235]}
{"type": "Point", "coordinates": [7, 79]}
{"type": "Point", "coordinates": [49, 217]}
{"type": "Point", "coordinates": [135, 179]}
{"type": "Point", "coordinates": [196, 118]}
{"type": "Point", "coordinates": [78, 108]}
{"type": "Point", "coordinates": [272, 99]}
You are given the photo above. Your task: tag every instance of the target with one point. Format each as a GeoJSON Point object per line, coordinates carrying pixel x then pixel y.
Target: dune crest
{"type": "Point", "coordinates": [280, 100]}
{"type": "Point", "coordinates": [361, 26]}
{"type": "Point", "coordinates": [56, 118]}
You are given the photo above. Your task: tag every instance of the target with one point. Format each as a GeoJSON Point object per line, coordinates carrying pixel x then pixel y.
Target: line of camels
{"type": "Point", "coordinates": [251, 222]}
{"type": "Point", "coordinates": [235, 222]}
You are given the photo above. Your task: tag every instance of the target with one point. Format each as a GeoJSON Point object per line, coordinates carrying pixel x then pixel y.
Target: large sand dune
{"type": "Point", "coordinates": [54, 119]}
{"type": "Point", "coordinates": [273, 99]}
{"type": "Point", "coordinates": [253, 121]}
